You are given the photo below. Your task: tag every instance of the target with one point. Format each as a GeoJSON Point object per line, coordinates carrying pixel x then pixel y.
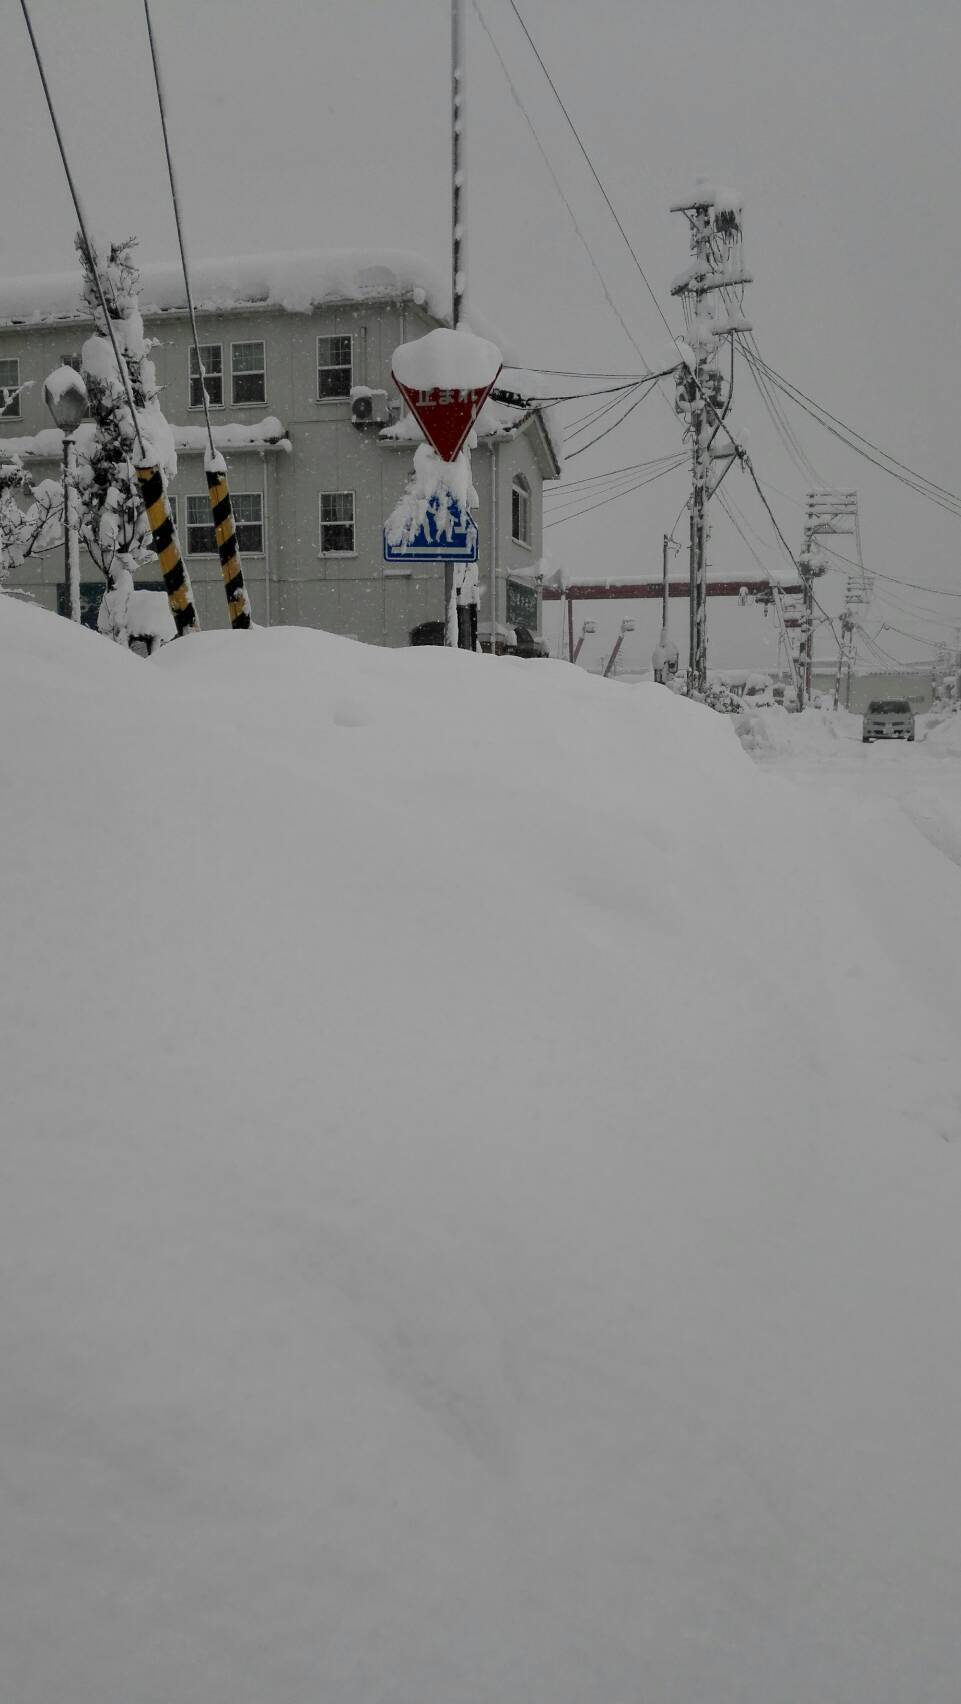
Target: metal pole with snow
{"type": "Point", "coordinates": [460, 588]}
{"type": "Point", "coordinates": [215, 468]}
{"type": "Point", "coordinates": [65, 394]}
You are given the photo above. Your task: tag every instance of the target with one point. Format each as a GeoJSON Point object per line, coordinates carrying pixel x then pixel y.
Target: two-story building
{"type": "Point", "coordinates": [297, 354]}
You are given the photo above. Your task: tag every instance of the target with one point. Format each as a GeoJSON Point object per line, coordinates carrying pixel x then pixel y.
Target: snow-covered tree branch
{"type": "Point", "coordinates": [31, 515]}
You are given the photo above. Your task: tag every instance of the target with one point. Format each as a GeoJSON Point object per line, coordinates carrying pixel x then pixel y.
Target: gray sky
{"type": "Point", "coordinates": [312, 123]}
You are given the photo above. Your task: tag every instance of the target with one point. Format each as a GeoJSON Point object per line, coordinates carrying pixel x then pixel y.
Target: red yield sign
{"type": "Point", "coordinates": [445, 379]}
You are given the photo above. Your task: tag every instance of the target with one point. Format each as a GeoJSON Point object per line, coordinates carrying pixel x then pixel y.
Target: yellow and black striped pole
{"type": "Point", "coordinates": [167, 545]}
{"type": "Point", "coordinates": [225, 532]}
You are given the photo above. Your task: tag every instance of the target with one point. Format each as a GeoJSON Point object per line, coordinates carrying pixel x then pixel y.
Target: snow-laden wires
{"type": "Point", "coordinates": [559, 520]}
{"type": "Point", "coordinates": [571, 454]}
{"type": "Point", "coordinates": [615, 310]}
{"type": "Point", "coordinates": [863, 446]}
{"type": "Point", "coordinates": [591, 167]}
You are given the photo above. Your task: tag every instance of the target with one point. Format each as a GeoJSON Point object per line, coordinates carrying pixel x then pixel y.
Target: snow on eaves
{"type": "Point", "coordinates": [261, 435]}
{"type": "Point", "coordinates": [295, 282]}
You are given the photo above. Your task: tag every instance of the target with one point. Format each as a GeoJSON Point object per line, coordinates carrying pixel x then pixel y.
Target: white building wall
{"type": "Point", "coordinates": [290, 581]}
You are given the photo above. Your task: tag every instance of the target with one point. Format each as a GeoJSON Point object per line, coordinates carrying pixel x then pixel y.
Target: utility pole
{"type": "Point", "coordinates": [460, 581]}
{"type": "Point", "coordinates": [711, 289]}
{"type": "Point", "coordinates": [665, 658]}
{"type": "Point", "coordinates": [828, 514]}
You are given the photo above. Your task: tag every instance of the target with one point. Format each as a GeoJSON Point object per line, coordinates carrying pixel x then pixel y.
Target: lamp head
{"type": "Point", "coordinates": [65, 394]}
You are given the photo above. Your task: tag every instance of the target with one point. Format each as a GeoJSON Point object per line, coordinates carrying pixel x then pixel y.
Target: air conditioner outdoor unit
{"type": "Point", "coordinates": [368, 407]}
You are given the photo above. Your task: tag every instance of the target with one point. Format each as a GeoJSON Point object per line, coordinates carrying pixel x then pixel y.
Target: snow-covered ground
{"type": "Point", "coordinates": [480, 1191]}
{"type": "Point", "coordinates": [823, 751]}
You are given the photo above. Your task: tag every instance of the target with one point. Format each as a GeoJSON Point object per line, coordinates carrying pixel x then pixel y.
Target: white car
{"type": "Point", "coordinates": [887, 719]}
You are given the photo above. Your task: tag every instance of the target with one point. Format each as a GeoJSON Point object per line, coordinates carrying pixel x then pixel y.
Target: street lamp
{"type": "Point", "coordinates": [66, 397]}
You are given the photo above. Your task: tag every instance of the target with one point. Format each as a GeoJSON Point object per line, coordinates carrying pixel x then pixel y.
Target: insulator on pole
{"type": "Point", "coordinates": [167, 545]}
{"type": "Point", "coordinates": [238, 603]}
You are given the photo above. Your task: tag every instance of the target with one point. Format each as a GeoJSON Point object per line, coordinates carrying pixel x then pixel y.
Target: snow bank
{"type": "Point", "coordinates": [943, 736]}
{"type": "Point", "coordinates": [480, 1194]}
{"type": "Point", "coordinates": [771, 731]}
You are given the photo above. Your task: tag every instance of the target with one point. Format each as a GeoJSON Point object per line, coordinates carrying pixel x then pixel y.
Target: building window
{"type": "Point", "coordinates": [201, 539]}
{"type": "Point", "coordinates": [212, 361]}
{"type": "Point", "coordinates": [334, 367]}
{"type": "Point", "coordinates": [248, 373]}
{"type": "Point", "coordinates": [521, 511]}
{"type": "Point", "coordinates": [248, 508]}
{"type": "Point", "coordinates": [9, 381]}
{"type": "Point", "coordinates": [337, 523]}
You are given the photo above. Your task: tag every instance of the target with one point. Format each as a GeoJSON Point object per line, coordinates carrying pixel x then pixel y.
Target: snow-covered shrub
{"type": "Point", "coordinates": [31, 515]}
{"type": "Point", "coordinates": [113, 523]}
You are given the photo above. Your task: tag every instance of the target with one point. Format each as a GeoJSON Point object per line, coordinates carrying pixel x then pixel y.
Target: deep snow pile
{"type": "Point", "coordinates": [480, 1194]}
{"type": "Point", "coordinates": [771, 731]}
{"type": "Point", "coordinates": [943, 735]}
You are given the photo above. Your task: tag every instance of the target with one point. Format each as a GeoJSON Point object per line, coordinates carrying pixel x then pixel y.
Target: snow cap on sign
{"type": "Point", "coordinates": [445, 378]}
{"type": "Point", "coordinates": [447, 360]}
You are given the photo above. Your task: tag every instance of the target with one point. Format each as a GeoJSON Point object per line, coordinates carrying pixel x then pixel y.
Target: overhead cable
{"type": "Point", "coordinates": [591, 167]}
{"type": "Point", "coordinates": [615, 310]}
{"type": "Point", "coordinates": [604, 500]}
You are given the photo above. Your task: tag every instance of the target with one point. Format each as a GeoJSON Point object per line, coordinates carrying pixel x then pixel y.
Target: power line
{"type": "Point", "coordinates": [604, 500]}
{"type": "Point", "coordinates": [613, 427]}
{"type": "Point", "coordinates": [584, 422]}
{"type": "Point", "coordinates": [502, 394]}
{"type": "Point", "coordinates": [593, 170]}
{"type": "Point", "coordinates": [788, 384]}
{"type": "Point", "coordinates": [610, 473]}
{"type": "Point", "coordinates": [615, 310]}
{"type": "Point", "coordinates": [574, 373]}
{"type": "Point", "coordinates": [577, 500]}
{"type": "Point", "coordinates": [919, 483]}
{"type": "Point", "coordinates": [919, 639]}
{"type": "Point", "coordinates": [895, 579]}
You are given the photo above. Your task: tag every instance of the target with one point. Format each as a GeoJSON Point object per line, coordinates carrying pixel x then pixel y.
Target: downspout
{"type": "Point", "coordinates": [493, 570]}
{"type": "Point", "coordinates": [271, 484]}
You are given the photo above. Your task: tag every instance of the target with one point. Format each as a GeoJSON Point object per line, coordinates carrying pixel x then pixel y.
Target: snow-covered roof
{"type": "Point", "coordinates": [262, 435]}
{"type": "Point", "coordinates": [295, 282]}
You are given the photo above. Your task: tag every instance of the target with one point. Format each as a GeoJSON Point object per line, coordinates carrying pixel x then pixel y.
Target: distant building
{"type": "Point", "coordinates": [297, 351]}
{"type": "Point", "coordinates": [914, 682]}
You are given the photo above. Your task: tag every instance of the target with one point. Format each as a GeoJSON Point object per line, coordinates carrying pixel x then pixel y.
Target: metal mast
{"type": "Point", "coordinates": [458, 194]}
{"type": "Point", "coordinates": [458, 265]}
{"type": "Point", "coordinates": [828, 514]}
{"type": "Point", "coordinates": [711, 289]}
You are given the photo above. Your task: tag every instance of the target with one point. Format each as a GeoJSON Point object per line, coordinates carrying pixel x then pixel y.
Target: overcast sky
{"type": "Point", "coordinates": [313, 123]}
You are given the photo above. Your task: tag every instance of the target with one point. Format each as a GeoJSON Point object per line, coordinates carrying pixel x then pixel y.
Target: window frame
{"type": "Point", "coordinates": [191, 376]}
{"type": "Point", "coordinates": [208, 525]}
{"type": "Point", "coordinates": [332, 337]}
{"type": "Point", "coordinates": [249, 549]}
{"type": "Point", "coordinates": [520, 487]}
{"type": "Point", "coordinates": [336, 555]}
{"type": "Point", "coordinates": [237, 343]}
{"type": "Point", "coordinates": [13, 410]}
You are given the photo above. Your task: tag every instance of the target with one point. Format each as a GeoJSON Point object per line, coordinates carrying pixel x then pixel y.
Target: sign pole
{"type": "Point", "coordinates": [456, 631]}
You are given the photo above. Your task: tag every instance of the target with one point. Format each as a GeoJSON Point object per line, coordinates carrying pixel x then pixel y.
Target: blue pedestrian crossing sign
{"type": "Point", "coordinates": [454, 541]}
